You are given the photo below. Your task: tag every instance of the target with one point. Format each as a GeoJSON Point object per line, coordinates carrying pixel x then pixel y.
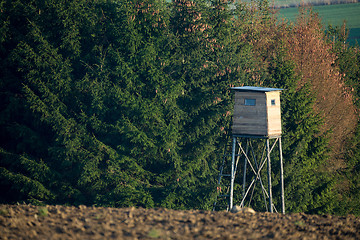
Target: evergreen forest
{"type": "Point", "coordinates": [128, 103]}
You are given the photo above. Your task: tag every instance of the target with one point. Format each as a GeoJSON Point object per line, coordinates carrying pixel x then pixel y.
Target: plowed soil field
{"type": "Point", "coordinates": [63, 222]}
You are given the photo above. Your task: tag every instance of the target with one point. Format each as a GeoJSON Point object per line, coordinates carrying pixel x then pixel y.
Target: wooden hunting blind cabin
{"type": "Point", "coordinates": [257, 111]}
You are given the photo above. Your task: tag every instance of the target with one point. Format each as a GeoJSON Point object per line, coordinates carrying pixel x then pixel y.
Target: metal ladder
{"type": "Point", "coordinates": [222, 199]}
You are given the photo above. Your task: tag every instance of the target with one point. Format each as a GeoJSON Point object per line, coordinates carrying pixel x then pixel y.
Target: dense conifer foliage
{"type": "Point", "coordinates": [120, 103]}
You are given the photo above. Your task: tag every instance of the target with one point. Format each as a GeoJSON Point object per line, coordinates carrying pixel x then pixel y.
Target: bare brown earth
{"type": "Point", "coordinates": [61, 222]}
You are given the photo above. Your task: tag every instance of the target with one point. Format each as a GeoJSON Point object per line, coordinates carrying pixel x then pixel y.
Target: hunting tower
{"type": "Point", "coordinates": [256, 122]}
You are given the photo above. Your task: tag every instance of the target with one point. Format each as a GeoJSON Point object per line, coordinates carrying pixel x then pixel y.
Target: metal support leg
{"type": "Point", "coordinates": [281, 178]}
{"type": "Point", "coordinates": [269, 174]}
{"type": "Point", "coordinates": [245, 162]}
{"type": "Point", "coordinates": [232, 174]}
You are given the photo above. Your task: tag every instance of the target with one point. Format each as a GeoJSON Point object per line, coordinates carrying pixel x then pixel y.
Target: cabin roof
{"type": "Point", "coordinates": [255, 89]}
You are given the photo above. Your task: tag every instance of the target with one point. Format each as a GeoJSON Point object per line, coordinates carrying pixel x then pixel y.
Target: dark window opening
{"type": "Point", "coordinates": [273, 102]}
{"type": "Point", "coordinates": [250, 102]}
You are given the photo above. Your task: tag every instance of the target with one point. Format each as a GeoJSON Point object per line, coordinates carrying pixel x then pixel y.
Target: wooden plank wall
{"type": "Point", "coordinates": [250, 120]}
{"type": "Point", "coordinates": [273, 114]}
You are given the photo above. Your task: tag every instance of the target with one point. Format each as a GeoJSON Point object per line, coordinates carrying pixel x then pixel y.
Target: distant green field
{"type": "Point", "coordinates": [334, 15]}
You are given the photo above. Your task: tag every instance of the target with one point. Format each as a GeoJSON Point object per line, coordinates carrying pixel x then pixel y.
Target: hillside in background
{"type": "Point", "coordinates": [334, 15]}
{"type": "Point", "coordinates": [296, 3]}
